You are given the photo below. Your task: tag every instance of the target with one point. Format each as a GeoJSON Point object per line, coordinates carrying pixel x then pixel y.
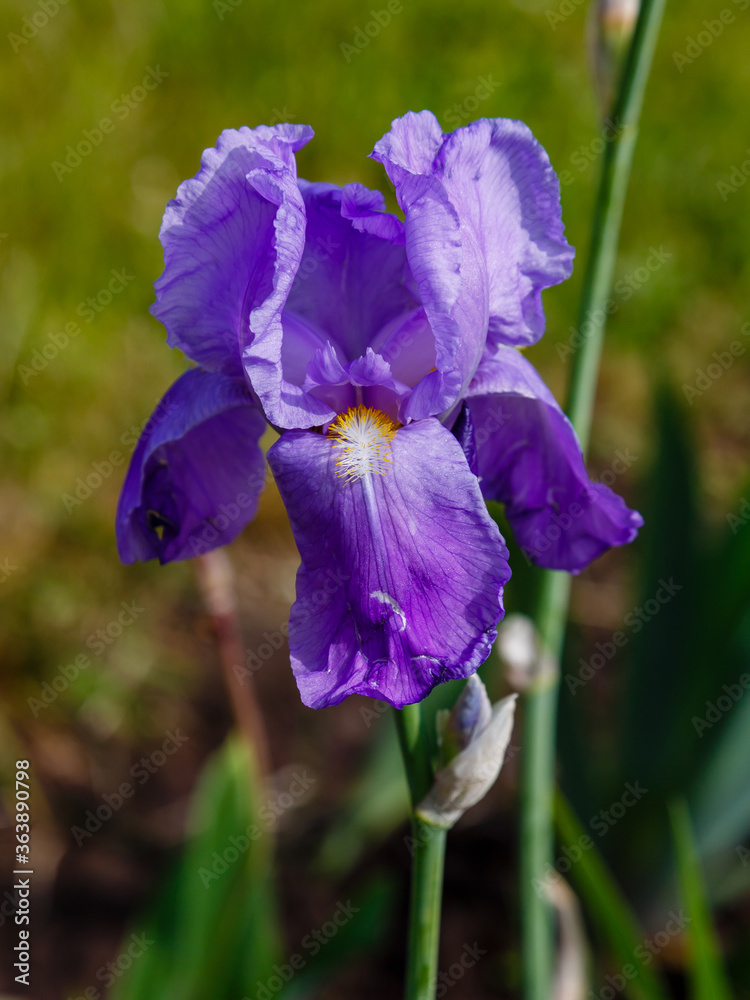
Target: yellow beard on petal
{"type": "Point", "coordinates": [362, 438]}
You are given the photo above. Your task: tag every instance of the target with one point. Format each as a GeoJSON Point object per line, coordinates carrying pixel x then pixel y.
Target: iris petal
{"type": "Point", "coordinates": [196, 473]}
{"type": "Point", "coordinates": [529, 459]}
{"type": "Point", "coordinates": [402, 573]}
{"type": "Point", "coordinates": [484, 236]}
{"type": "Point", "coordinates": [218, 236]}
{"type": "Point", "coordinates": [353, 278]}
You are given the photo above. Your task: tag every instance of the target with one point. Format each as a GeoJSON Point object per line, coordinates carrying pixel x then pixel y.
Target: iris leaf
{"type": "Point", "coordinates": [213, 926]}
{"type": "Point", "coordinates": [707, 976]}
{"type": "Point", "coordinates": [609, 911]}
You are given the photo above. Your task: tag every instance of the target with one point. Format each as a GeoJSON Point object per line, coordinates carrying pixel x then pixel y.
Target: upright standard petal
{"type": "Point", "coordinates": [353, 278]}
{"type": "Point", "coordinates": [529, 459]}
{"type": "Point", "coordinates": [218, 236]}
{"type": "Point", "coordinates": [506, 192]}
{"type": "Point", "coordinates": [484, 236]}
{"type": "Point", "coordinates": [402, 573]}
{"type": "Point", "coordinates": [196, 473]}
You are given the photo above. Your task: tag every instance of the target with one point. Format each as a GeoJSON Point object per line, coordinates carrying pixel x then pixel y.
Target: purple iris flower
{"type": "Point", "coordinates": [385, 352]}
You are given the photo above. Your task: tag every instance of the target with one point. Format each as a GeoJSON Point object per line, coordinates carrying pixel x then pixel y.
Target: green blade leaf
{"type": "Point", "coordinates": [720, 802]}
{"type": "Point", "coordinates": [707, 976]}
{"type": "Point", "coordinates": [661, 642]}
{"type": "Point", "coordinates": [611, 914]}
{"type": "Point", "coordinates": [213, 927]}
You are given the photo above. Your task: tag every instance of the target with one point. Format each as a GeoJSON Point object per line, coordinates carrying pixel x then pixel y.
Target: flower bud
{"type": "Point", "coordinates": [611, 30]}
{"type": "Point", "coordinates": [469, 716]}
{"type": "Point", "coordinates": [467, 777]}
{"type": "Point", "coordinates": [526, 660]}
{"type": "Point", "coordinates": [571, 979]}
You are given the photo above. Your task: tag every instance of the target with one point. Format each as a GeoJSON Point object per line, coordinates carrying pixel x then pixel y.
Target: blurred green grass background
{"type": "Point", "coordinates": [262, 61]}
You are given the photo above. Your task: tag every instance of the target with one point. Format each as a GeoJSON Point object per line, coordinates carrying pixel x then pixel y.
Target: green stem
{"type": "Point", "coordinates": [537, 795]}
{"type": "Point", "coordinates": [428, 856]}
{"type": "Point", "coordinates": [424, 911]}
{"type": "Point", "coordinates": [618, 159]}
{"type": "Point", "coordinates": [415, 751]}
{"type": "Point", "coordinates": [538, 777]}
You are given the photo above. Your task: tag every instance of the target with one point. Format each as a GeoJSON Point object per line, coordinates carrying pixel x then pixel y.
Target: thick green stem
{"type": "Point", "coordinates": [424, 911]}
{"type": "Point", "coordinates": [537, 795]}
{"type": "Point", "coordinates": [428, 855]}
{"type": "Point", "coordinates": [415, 751]}
{"type": "Point", "coordinates": [618, 159]}
{"type": "Point", "coordinates": [538, 777]}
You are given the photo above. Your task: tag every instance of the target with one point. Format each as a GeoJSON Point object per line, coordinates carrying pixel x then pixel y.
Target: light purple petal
{"type": "Point", "coordinates": [196, 473]}
{"type": "Point", "coordinates": [366, 210]}
{"type": "Point", "coordinates": [328, 379]}
{"type": "Point", "coordinates": [218, 236]}
{"type": "Point", "coordinates": [484, 236]}
{"type": "Point", "coordinates": [350, 283]}
{"type": "Point", "coordinates": [452, 293]}
{"type": "Point", "coordinates": [371, 369]}
{"type": "Point", "coordinates": [408, 345]}
{"type": "Point", "coordinates": [502, 183]}
{"type": "Point", "coordinates": [285, 403]}
{"type": "Point", "coordinates": [402, 574]}
{"type": "Point", "coordinates": [529, 459]}
{"type": "Point", "coordinates": [411, 146]}
{"type": "Point", "coordinates": [300, 344]}
{"type": "Point", "coordinates": [367, 380]}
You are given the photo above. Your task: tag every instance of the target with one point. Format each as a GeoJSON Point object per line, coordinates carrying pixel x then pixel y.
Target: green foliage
{"type": "Point", "coordinates": [683, 662]}
{"type": "Point", "coordinates": [613, 919]}
{"type": "Point", "coordinates": [707, 977]}
{"type": "Point", "coordinates": [62, 235]}
{"type": "Point", "coordinates": [214, 925]}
